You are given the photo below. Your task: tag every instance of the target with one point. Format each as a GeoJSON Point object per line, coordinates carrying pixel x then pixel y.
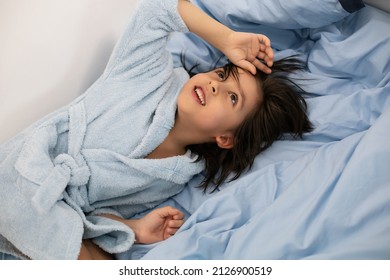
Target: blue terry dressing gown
{"type": "Point", "coordinates": [89, 157]}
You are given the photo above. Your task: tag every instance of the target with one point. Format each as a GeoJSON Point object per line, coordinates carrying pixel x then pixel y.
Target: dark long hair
{"type": "Point", "coordinates": [282, 111]}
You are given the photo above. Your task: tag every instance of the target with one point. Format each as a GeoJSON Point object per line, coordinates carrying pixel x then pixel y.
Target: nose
{"type": "Point", "coordinates": [213, 85]}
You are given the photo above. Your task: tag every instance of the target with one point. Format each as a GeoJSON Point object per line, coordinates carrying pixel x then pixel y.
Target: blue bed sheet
{"type": "Point", "coordinates": [324, 197]}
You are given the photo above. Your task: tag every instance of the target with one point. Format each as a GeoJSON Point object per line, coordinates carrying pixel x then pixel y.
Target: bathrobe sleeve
{"type": "Point", "coordinates": [58, 170]}
{"type": "Point", "coordinates": [139, 52]}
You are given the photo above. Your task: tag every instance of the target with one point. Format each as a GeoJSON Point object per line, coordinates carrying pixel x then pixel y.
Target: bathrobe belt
{"type": "Point", "coordinates": [67, 169]}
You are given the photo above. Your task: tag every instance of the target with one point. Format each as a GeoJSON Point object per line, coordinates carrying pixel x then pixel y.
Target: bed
{"type": "Point", "coordinates": [326, 196]}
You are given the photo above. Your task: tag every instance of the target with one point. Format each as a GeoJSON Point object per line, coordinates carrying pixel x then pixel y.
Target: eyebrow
{"type": "Point", "coordinates": [237, 79]}
{"type": "Point", "coordinates": [240, 91]}
{"type": "Point", "coordinates": [242, 94]}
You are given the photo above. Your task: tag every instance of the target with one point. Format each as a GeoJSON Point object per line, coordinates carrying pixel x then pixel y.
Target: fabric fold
{"type": "Point", "coordinates": [84, 159]}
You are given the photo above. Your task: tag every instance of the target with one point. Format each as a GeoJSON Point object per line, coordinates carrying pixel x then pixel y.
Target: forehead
{"type": "Point", "coordinates": [248, 84]}
{"type": "Point", "coordinates": [246, 76]}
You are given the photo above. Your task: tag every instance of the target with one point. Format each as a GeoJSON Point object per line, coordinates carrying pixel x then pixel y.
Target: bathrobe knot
{"type": "Point", "coordinates": [66, 172]}
{"type": "Point", "coordinates": [79, 175]}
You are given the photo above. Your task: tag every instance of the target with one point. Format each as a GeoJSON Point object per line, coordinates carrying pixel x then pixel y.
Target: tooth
{"type": "Point", "coordinates": [200, 96]}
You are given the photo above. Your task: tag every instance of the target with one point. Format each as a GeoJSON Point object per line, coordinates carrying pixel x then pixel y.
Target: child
{"type": "Point", "coordinates": [137, 136]}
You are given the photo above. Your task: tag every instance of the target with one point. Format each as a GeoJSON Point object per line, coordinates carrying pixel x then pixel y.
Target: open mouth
{"type": "Point", "coordinates": [200, 95]}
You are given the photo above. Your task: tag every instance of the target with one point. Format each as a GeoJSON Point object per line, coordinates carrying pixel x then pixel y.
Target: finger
{"type": "Point", "coordinates": [170, 211]}
{"type": "Point", "coordinates": [264, 40]}
{"type": "Point", "coordinates": [267, 56]}
{"type": "Point", "coordinates": [179, 216]}
{"type": "Point", "coordinates": [246, 65]}
{"type": "Point", "coordinates": [265, 59]}
{"type": "Point", "coordinates": [175, 223]}
{"type": "Point", "coordinates": [266, 52]}
{"type": "Point", "coordinates": [168, 233]}
{"type": "Point", "coordinates": [175, 227]}
{"type": "Point", "coordinates": [261, 55]}
{"type": "Point", "coordinates": [171, 231]}
{"type": "Point", "coordinates": [262, 67]}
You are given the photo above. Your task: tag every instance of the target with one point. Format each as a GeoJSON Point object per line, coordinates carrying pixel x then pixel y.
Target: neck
{"type": "Point", "coordinates": [176, 142]}
{"type": "Point", "coordinates": [173, 145]}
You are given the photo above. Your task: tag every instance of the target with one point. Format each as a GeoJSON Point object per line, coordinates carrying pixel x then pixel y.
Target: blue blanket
{"type": "Point", "coordinates": [327, 196]}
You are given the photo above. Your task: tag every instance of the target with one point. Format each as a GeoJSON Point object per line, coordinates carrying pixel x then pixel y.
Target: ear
{"type": "Point", "coordinates": [225, 141]}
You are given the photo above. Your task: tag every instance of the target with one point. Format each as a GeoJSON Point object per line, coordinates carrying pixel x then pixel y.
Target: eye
{"type": "Point", "coordinates": [221, 75]}
{"type": "Point", "coordinates": [233, 98]}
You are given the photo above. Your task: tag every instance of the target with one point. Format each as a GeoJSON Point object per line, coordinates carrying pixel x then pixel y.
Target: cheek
{"type": "Point", "coordinates": [216, 119]}
{"type": "Point", "coordinates": [185, 103]}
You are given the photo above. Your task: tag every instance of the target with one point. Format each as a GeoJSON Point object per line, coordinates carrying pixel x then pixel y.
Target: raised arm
{"type": "Point", "coordinates": [246, 50]}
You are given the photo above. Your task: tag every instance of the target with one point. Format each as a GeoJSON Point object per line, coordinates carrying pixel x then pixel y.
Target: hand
{"type": "Point", "coordinates": [248, 50]}
{"type": "Point", "coordinates": [158, 225]}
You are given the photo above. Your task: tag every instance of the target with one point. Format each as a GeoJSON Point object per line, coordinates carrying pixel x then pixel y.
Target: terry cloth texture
{"type": "Point", "coordinates": [89, 157]}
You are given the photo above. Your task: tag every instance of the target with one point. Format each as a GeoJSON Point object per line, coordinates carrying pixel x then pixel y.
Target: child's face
{"type": "Point", "coordinates": [212, 105]}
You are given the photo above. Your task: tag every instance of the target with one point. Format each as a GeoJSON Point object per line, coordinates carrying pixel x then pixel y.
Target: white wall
{"type": "Point", "coordinates": [381, 4]}
{"type": "Point", "coordinates": [50, 52]}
